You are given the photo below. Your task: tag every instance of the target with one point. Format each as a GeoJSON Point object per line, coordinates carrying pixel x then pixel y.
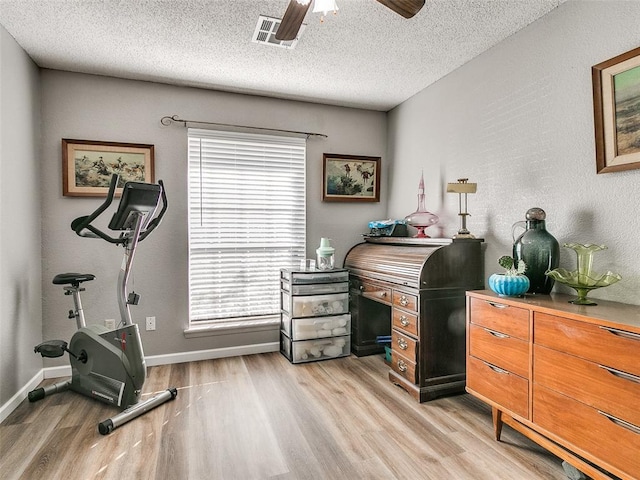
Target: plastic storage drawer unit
{"type": "Point", "coordinates": [315, 322]}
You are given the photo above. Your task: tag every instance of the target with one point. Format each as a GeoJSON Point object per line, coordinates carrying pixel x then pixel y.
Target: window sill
{"type": "Point", "coordinates": [233, 327]}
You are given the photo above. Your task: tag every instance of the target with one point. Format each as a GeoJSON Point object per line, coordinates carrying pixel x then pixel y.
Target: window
{"type": "Point", "coordinates": [247, 218]}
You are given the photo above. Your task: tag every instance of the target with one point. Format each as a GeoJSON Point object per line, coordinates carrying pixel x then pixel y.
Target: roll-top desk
{"type": "Point", "coordinates": [414, 291]}
{"type": "Point", "coordinates": [566, 376]}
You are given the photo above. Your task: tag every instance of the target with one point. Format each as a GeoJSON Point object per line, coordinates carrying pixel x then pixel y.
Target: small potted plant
{"type": "Point", "coordinates": [513, 281]}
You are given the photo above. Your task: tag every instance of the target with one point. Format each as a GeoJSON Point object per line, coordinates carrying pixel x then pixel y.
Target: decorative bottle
{"type": "Point", "coordinates": [421, 218]}
{"type": "Point", "coordinates": [539, 250]}
{"type": "Point", "coordinates": [325, 255]}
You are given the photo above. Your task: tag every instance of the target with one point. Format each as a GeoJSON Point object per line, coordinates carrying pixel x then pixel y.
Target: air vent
{"type": "Point", "coordinates": [265, 33]}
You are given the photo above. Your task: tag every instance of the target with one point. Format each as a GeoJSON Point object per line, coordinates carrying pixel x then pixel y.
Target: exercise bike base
{"type": "Point", "coordinates": [40, 393]}
{"type": "Point", "coordinates": [110, 424]}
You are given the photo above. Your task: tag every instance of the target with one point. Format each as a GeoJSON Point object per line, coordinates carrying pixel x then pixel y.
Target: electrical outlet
{"type": "Point", "coordinates": [110, 323]}
{"type": "Point", "coordinates": [151, 323]}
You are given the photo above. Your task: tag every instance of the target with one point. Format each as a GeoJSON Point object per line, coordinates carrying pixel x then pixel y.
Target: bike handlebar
{"type": "Point", "coordinates": [82, 225]}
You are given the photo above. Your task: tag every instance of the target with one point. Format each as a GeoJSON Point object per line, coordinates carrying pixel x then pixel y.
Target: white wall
{"type": "Point", "coordinates": [518, 120]}
{"type": "Point", "coordinates": [89, 107]}
{"type": "Point", "coordinates": [20, 267]}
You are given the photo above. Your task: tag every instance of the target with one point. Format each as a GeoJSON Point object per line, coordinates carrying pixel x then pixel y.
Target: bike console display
{"type": "Point", "coordinates": [136, 197]}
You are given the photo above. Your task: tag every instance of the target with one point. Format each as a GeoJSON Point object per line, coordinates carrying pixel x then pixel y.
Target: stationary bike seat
{"type": "Point", "coordinates": [72, 278]}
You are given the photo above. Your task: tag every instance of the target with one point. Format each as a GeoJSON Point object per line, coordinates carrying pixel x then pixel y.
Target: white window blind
{"type": "Point", "coordinates": [247, 218]}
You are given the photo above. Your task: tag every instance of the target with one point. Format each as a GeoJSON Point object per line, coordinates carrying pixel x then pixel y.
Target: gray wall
{"type": "Point", "coordinates": [518, 120]}
{"type": "Point", "coordinates": [20, 277]}
{"type": "Point", "coordinates": [99, 108]}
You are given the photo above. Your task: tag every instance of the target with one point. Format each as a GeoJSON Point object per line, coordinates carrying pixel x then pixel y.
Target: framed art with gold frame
{"type": "Point", "coordinates": [616, 107]}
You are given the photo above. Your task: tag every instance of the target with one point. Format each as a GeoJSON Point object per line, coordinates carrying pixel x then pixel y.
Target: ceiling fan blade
{"type": "Point", "coordinates": [292, 20]}
{"type": "Point", "coordinates": [406, 8]}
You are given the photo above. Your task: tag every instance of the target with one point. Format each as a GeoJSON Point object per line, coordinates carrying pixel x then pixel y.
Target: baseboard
{"type": "Point", "coordinates": [153, 360]}
{"type": "Point", "coordinates": [198, 355]}
{"type": "Point", "coordinates": [12, 404]}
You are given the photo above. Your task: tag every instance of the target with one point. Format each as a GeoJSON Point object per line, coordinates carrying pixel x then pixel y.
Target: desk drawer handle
{"type": "Point", "coordinates": [498, 305]}
{"type": "Point", "coordinates": [622, 333]}
{"type": "Point", "coordinates": [402, 366]}
{"type": "Point", "coordinates": [496, 369]}
{"type": "Point", "coordinates": [383, 294]}
{"type": "Point", "coordinates": [496, 334]}
{"type": "Point", "coordinates": [402, 343]}
{"type": "Point", "coordinates": [404, 301]}
{"type": "Point", "coordinates": [620, 374]}
{"type": "Point", "coordinates": [404, 321]}
{"type": "Point", "coordinates": [621, 423]}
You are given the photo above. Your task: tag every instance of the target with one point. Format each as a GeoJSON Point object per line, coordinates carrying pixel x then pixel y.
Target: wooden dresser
{"type": "Point", "coordinates": [566, 376]}
{"type": "Point", "coordinates": [415, 292]}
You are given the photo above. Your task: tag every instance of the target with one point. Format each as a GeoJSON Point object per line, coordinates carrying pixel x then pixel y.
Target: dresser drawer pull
{"type": "Point", "coordinates": [622, 333]}
{"type": "Point", "coordinates": [498, 305]}
{"type": "Point", "coordinates": [618, 373]}
{"type": "Point", "coordinates": [402, 343]}
{"type": "Point", "coordinates": [402, 366]}
{"type": "Point", "coordinates": [496, 334]}
{"type": "Point", "coordinates": [496, 369]}
{"type": "Point", "coordinates": [621, 423]}
{"type": "Point", "coordinates": [404, 301]}
{"type": "Point", "coordinates": [383, 294]}
{"type": "Point", "coordinates": [404, 321]}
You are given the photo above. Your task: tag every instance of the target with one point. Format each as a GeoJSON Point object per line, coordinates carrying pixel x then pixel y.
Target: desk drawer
{"type": "Point", "coordinates": [405, 301]}
{"type": "Point", "coordinates": [404, 345]}
{"type": "Point", "coordinates": [597, 433]}
{"type": "Point", "coordinates": [601, 387]}
{"type": "Point", "coordinates": [499, 349]}
{"type": "Point", "coordinates": [513, 321]}
{"type": "Point", "coordinates": [507, 389]}
{"type": "Point", "coordinates": [403, 366]}
{"type": "Point", "coordinates": [615, 348]}
{"type": "Point", "coordinates": [407, 322]}
{"type": "Point", "coordinates": [375, 291]}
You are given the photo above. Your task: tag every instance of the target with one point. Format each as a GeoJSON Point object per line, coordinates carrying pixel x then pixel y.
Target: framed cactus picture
{"type": "Point", "coordinates": [350, 178]}
{"type": "Point", "coordinates": [616, 106]}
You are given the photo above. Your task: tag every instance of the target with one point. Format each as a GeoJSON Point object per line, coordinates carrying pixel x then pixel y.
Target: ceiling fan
{"type": "Point", "coordinates": [297, 9]}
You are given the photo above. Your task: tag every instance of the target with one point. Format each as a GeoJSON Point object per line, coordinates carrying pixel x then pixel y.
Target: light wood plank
{"type": "Point", "coordinates": [260, 417]}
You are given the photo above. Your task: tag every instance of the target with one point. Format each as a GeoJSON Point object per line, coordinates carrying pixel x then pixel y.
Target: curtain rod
{"type": "Point", "coordinates": [166, 120]}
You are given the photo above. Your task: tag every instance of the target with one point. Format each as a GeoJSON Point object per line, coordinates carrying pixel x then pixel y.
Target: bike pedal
{"type": "Point", "coordinates": [51, 348]}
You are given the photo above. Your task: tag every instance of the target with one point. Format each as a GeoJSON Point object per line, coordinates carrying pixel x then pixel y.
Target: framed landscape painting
{"type": "Point", "coordinates": [616, 105]}
{"type": "Point", "coordinates": [87, 166]}
{"type": "Point", "coordinates": [350, 178]}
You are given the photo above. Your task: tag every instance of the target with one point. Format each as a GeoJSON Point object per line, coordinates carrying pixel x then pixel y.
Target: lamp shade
{"type": "Point", "coordinates": [325, 6]}
{"type": "Point", "coordinates": [462, 187]}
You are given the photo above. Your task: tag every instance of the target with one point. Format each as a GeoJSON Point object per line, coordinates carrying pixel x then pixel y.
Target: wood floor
{"type": "Point", "coordinates": [259, 417]}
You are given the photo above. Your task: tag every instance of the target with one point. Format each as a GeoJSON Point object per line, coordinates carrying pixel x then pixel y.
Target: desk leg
{"type": "Point", "coordinates": [497, 422]}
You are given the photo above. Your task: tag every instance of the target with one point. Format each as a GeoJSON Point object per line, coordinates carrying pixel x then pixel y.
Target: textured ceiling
{"type": "Point", "coordinates": [366, 56]}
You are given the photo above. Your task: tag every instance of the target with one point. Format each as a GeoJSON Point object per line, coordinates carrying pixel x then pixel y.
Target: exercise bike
{"type": "Point", "coordinates": [108, 365]}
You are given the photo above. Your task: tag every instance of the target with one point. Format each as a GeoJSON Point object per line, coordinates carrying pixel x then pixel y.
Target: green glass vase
{"type": "Point", "coordinates": [538, 249]}
{"type": "Point", "coordinates": [584, 279]}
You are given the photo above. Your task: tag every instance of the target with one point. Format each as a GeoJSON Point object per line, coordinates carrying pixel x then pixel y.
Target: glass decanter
{"type": "Point", "coordinates": [421, 218]}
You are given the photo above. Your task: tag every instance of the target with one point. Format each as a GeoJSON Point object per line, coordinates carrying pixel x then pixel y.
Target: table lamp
{"type": "Point", "coordinates": [462, 188]}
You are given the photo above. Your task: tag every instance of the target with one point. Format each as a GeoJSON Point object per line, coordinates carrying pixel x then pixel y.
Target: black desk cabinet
{"type": "Point", "coordinates": [414, 290]}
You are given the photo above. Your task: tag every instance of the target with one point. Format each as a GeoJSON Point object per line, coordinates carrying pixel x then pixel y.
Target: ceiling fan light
{"type": "Point", "coordinates": [325, 6]}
